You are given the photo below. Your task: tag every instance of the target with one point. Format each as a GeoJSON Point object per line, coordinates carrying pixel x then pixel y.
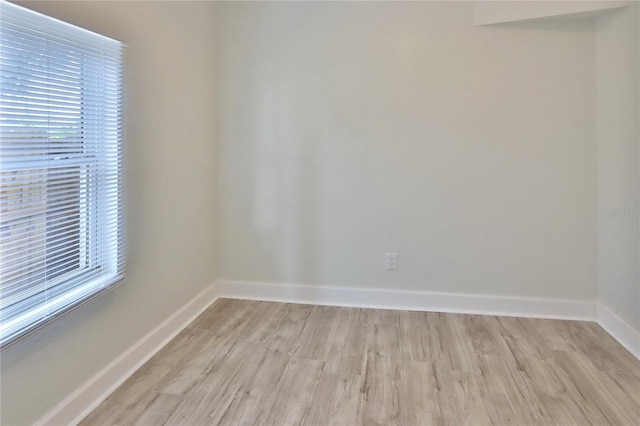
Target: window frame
{"type": "Point", "coordinates": [98, 193]}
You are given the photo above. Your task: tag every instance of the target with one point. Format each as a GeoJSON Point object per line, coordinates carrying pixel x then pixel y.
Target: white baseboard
{"type": "Point", "coordinates": [88, 396]}
{"type": "Point", "coordinates": [618, 329]}
{"type": "Point", "coordinates": [409, 300]}
{"type": "Point", "coordinates": [83, 400]}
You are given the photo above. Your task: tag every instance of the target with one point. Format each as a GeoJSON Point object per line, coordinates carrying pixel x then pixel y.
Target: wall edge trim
{"type": "Point", "coordinates": [78, 404]}
{"type": "Point", "coordinates": [618, 329]}
{"type": "Point", "coordinates": [409, 300]}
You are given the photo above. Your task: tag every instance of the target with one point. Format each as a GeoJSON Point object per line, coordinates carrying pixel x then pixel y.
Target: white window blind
{"type": "Point", "coordinates": [60, 167]}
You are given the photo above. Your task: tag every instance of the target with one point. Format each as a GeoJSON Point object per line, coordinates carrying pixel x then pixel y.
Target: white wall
{"type": "Point", "coordinates": [347, 130]}
{"type": "Point", "coordinates": [170, 113]}
{"type": "Point", "coordinates": [351, 129]}
{"type": "Point", "coordinates": [618, 90]}
{"type": "Point", "coordinates": [494, 12]}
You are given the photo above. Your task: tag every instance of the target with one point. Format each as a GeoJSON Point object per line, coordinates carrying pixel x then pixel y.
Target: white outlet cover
{"type": "Point", "coordinates": [391, 261]}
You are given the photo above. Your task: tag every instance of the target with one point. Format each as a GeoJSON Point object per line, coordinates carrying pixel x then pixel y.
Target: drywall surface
{"type": "Point", "coordinates": [348, 130]}
{"type": "Point", "coordinates": [169, 114]}
{"type": "Point", "coordinates": [494, 12]}
{"type": "Point", "coordinates": [618, 71]}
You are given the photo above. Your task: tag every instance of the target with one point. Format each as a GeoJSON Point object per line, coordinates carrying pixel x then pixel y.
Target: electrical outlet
{"type": "Point", "coordinates": [391, 261]}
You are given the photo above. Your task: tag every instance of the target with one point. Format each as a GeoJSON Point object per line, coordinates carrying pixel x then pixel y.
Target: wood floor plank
{"type": "Point", "coordinates": [551, 339]}
{"type": "Point", "coordinates": [629, 384]}
{"type": "Point", "coordinates": [194, 409]}
{"type": "Point", "coordinates": [416, 393]}
{"type": "Point", "coordinates": [482, 334]}
{"type": "Point", "coordinates": [455, 351]}
{"type": "Point", "coordinates": [119, 411]}
{"type": "Point", "coordinates": [458, 399]}
{"type": "Point", "coordinates": [503, 395]}
{"type": "Point", "coordinates": [524, 329]}
{"type": "Point", "coordinates": [158, 410]}
{"type": "Point", "coordinates": [415, 342]}
{"type": "Point", "coordinates": [616, 359]}
{"type": "Point", "coordinates": [213, 391]}
{"type": "Point", "coordinates": [225, 315]}
{"type": "Point", "coordinates": [182, 346]}
{"type": "Point", "coordinates": [599, 398]}
{"type": "Point", "coordinates": [246, 362]}
{"type": "Point", "coordinates": [350, 342]}
{"type": "Point", "coordinates": [548, 383]}
{"type": "Point", "coordinates": [386, 316]}
{"type": "Point", "coordinates": [264, 317]}
{"type": "Point", "coordinates": [284, 336]}
{"type": "Point", "coordinates": [290, 401]}
{"type": "Point", "coordinates": [386, 341]}
{"type": "Point", "coordinates": [336, 400]}
{"type": "Point", "coordinates": [255, 388]}
{"type": "Point", "coordinates": [380, 398]}
{"type": "Point", "coordinates": [314, 341]}
{"type": "Point", "coordinates": [190, 370]}
{"type": "Point", "coordinates": [604, 352]}
{"type": "Point", "coordinates": [134, 394]}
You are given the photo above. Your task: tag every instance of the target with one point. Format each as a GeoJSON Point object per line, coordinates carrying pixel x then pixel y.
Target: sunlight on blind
{"type": "Point", "coordinates": [60, 167]}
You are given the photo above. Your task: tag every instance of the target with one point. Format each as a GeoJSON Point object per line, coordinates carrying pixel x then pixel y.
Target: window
{"type": "Point", "coordinates": [60, 167]}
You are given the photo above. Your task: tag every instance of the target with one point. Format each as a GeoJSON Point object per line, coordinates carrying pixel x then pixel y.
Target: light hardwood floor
{"type": "Point", "coordinates": [247, 362]}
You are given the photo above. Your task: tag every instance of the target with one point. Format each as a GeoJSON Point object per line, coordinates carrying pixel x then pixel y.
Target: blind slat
{"type": "Point", "coordinates": [60, 167]}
